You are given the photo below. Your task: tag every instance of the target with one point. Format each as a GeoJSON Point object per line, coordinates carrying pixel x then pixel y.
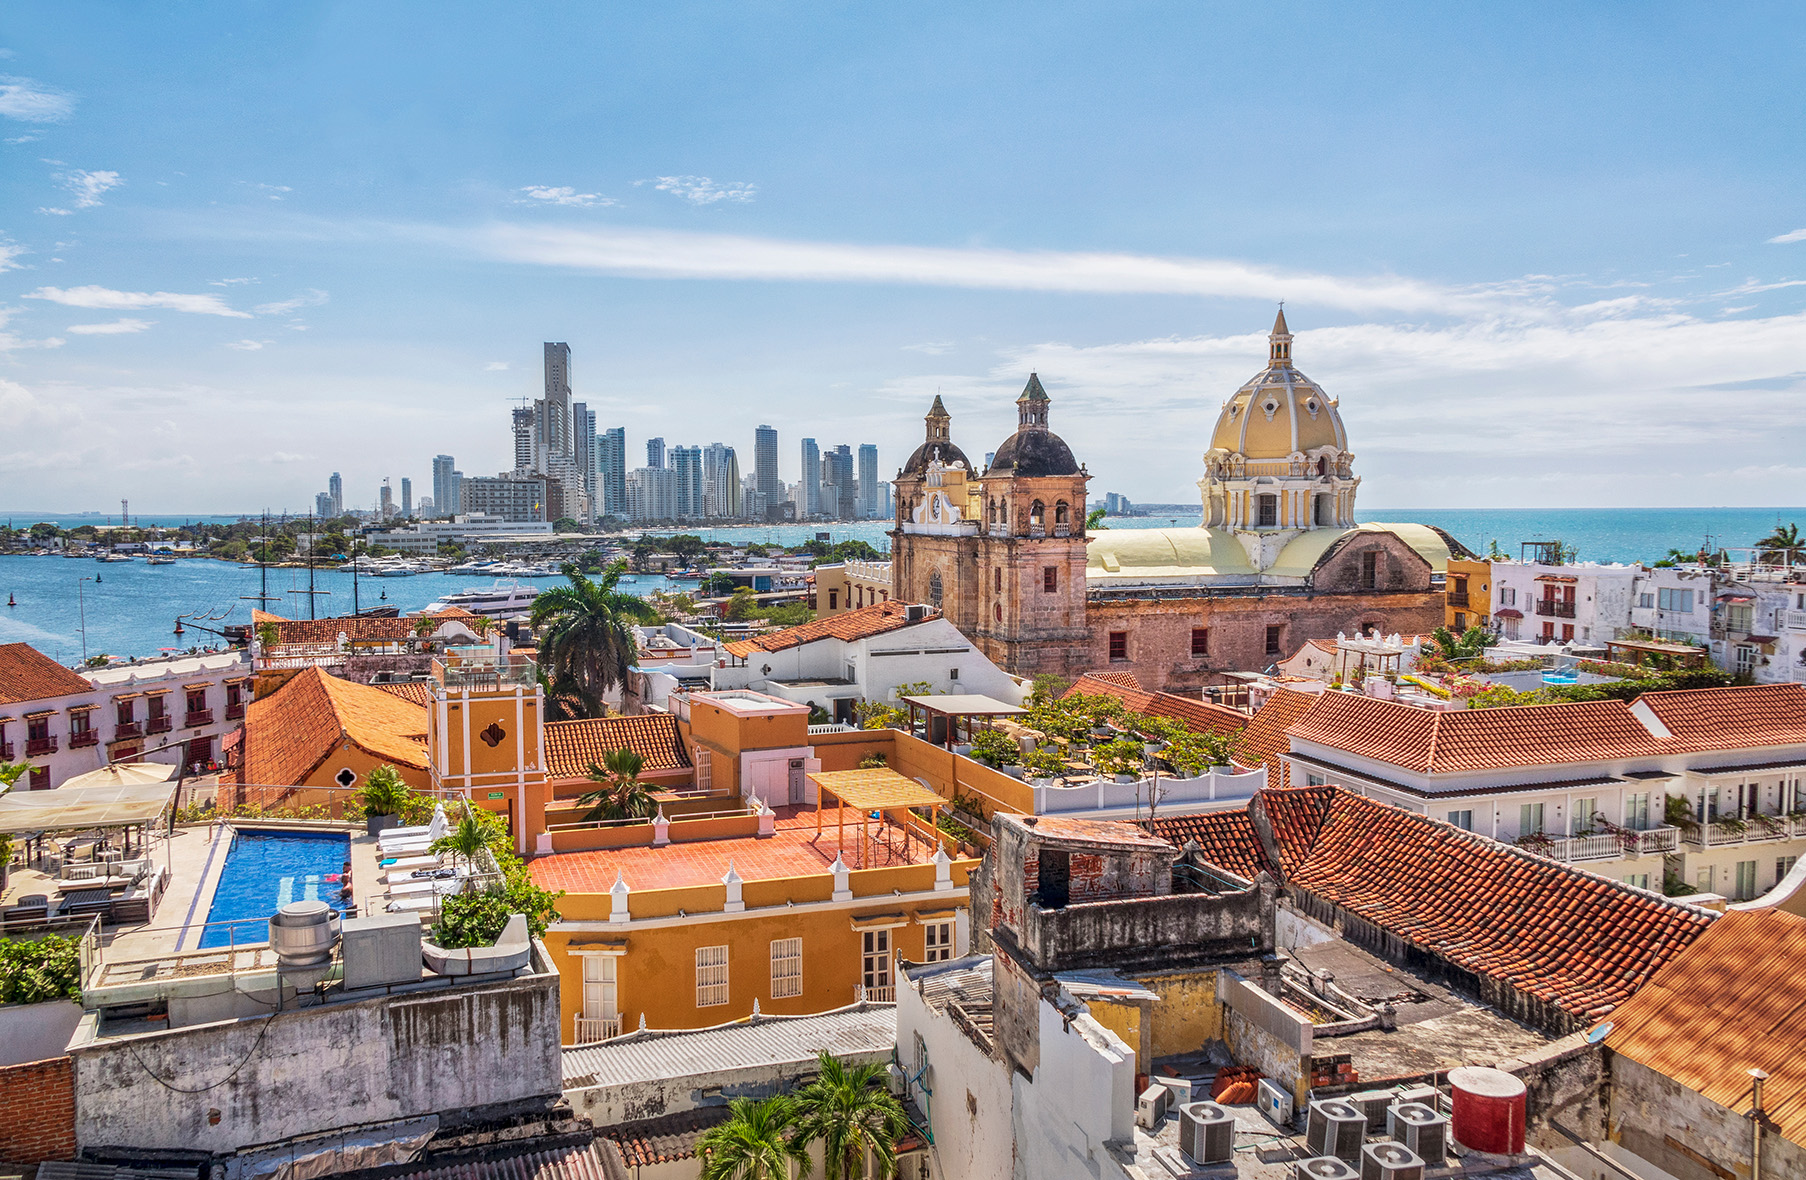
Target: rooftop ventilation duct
{"type": "Point", "coordinates": [303, 933]}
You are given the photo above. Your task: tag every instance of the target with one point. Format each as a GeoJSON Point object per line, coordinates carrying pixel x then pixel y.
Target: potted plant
{"type": "Point", "coordinates": [1043, 765]}
{"type": "Point", "coordinates": [994, 748]}
{"type": "Point", "coordinates": [1122, 758]}
{"type": "Point", "coordinates": [384, 795]}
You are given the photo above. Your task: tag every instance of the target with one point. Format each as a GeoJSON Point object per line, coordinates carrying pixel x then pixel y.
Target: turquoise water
{"type": "Point", "coordinates": [267, 870]}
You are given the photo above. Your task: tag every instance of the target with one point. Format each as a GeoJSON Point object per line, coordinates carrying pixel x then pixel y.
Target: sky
{"type": "Point", "coordinates": [1544, 255]}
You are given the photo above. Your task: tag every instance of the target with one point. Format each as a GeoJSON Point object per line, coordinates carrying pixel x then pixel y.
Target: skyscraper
{"type": "Point", "coordinates": [655, 452]}
{"type": "Point", "coordinates": [583, 451]}
{"type": "Point", "coordinates": [720, 482]}
{"type": "Point", "coordinates": [335, 487]}
{"type": "Point", "coordinates": [523, 418]}
{"type": "Point", "coordinates": [611, 471]}
{"type": "Point", "coordinates": [811, 501]}
{"type": "Point", "coordinates": [687, 463]}
{"type": "Point", "coordinates": [869, 507]}
{"type": "Point", "coordinates": [845, 503]}
{"type": "Point", "coordinates": [555, 408]}
{"type": "Point", "coordinates": [445, 496]}
{"type": "Point", "coordinates": [323, 504]}
{"type": "Point", "coordinates": [385, 505]}
{"type": "Point", "coordinates": [407, 496]}
{"type": "Point", "coordinates": [765, 464]}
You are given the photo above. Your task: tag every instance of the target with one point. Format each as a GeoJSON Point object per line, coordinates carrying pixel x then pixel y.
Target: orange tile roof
{"type": "Point", "coordinates": [1566, 937]}
{"type": "Point", "coordinates": [1198, 716]}
{"type": "Point", "coordinates": [290, 732]}
{"type": "Point", "coordinates": [27, 674]}
{"type": "Point", "coordinates": [572, 745]}
{"type": "Point", "coordinates": [848, 625]}
{"type": "Point", "coordinates": [420, 692]}
{"type": "Point", "coordinates": [1732, 718]}
{"type": "Point", "coordinates": [794, 851]}
{"type": "Point", "coordinates": [297, 631]}
{"type": "Point", "coordinates": [1727, 1004]}
{"type": "Point", "coordinates": [450, 612]}
{"type": "Point", "coordinates": [1264, 739]}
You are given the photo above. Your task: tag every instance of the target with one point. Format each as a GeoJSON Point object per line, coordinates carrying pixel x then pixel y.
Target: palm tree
{"type": "Point", "coordinates": [586, 636]}
{"type": "Point", "coordinates": [1784, 546]}
{"type": "Point", "coordinates": [754, 1143]}
{"type": "Point", "coordinates": [622, 794]}
{"type": "Point", "coordinates": [464, 842]}
{"type": "Point", "coordinates": [1470, 643]}
{"type": "Point", "coordinates": [852, 1112]}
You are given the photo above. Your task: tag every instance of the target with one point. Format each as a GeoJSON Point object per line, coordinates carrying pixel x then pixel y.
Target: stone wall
{"type": "Point", "coordinates": [37, 1111]}
{"type": "Point", "coordinates": [1684, 1133]}
{"type": "Point", "coordinates": [1150, 930]}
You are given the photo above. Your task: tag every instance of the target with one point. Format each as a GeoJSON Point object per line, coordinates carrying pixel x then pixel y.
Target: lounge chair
{"type": "Point", "coordinates": [423, 834]}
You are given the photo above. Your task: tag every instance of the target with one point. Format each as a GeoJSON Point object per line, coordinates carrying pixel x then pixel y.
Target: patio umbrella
{"type": "Point", "coordinates": [123, 774]}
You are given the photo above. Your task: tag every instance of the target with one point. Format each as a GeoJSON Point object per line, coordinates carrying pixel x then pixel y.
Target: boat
{"type": "Point", "coordinates": [503, 599]}
{"type": "Point", "coordinates": [160, 560]}
{"type": "Point", "coordinates": [111, 557]}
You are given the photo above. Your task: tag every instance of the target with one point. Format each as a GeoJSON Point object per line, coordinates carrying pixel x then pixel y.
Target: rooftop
{"type": "Point", "coordinates": [848, 626]}
{"type": "Point", "coordinates": [289, 733]}
{"type": "Point", "coordinates": [1199, 716]}
{"type": "Point", "coordinates": [796, 850]}
{"type": "Point", "coordinates": [1265, 738]}
{"type": "Point", "coordinates": [572, 746]}
{"type": "Point", "coordinates": [27, 674]}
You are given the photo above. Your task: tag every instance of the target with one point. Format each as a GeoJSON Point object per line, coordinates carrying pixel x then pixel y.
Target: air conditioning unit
{"type": "Point", "coordinates": [1324, 1167]}
{"type": "Point", "coordinates": [1390, 1161]}
{"type": "Point", "coordinates": [1180, 1090]}
{"type": "Point", "coordinates": [1336, 1127]}
{"type": "Point", "coordinates": [1275, 1101]}
{"type": "Point", "coordinates": [1150, 1108]}
{"type": "Point", "coordinates": [1207, 1133]}
{"type": "Point", "coordinates": [1419, 1127]}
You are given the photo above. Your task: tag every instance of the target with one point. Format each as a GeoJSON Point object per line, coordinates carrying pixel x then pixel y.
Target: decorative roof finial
{"type": "Point", "coordinates": [1279, 341]}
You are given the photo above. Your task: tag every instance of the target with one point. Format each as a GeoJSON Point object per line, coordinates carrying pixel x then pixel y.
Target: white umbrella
{"type": "Point", "coordinates": [123, 774]}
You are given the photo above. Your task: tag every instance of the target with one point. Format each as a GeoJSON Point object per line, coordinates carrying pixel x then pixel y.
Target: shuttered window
{"type": "Point", "coordinates": [711, 976]}
{"type": "Point", "coordinates": [786, 967]}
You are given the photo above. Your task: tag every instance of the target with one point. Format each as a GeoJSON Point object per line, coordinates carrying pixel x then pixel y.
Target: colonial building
{"type": "Point", "coordinates": [1277, 558]}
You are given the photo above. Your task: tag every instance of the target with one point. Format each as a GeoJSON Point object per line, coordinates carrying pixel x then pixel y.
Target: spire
{"type": "Point", "coordinates": [939, 429]}
{"type": "Point", "coordinates": [1279, 342]}
{"type": "Point", "coordinates": [937, 410]}
{"type": "Point", "coordinates": [1032, 392]}
{"type": "Point", "coordinates": [1031, 407]}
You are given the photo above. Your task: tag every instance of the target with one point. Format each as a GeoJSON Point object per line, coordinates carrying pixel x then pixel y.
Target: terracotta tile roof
{"type": "Point", "coordinates": [290, 732]}
{"type": "Point", "coordinates": [572, 745]}
{"type": "Point", "coordinates": [1198, 716]}
{"type": "Point", "coordinates": [848, 625]}
{"type": "Point", "coordinates": [1264, 739]}
{"type": "Point", "coordinates": [27, 674]}
{"type": "Point", "coordinates": [1566, 937]}
{"type": "Point", "coordinates": [451, 612]}
{"type": "Point", "coordinates": [668, 1140]}
{"type": "Point", "coordinates": [420, 692]}
{"type": "Point", "coordinates": [1727, 1004]}
{"type": "Point", "coordinates": [1732, 718]}
{"type": "Point", "coordinates": [298, 631]}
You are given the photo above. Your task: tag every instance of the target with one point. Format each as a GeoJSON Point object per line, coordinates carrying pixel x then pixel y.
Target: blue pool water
{"type": "Point", "coordinates": [266, 870]}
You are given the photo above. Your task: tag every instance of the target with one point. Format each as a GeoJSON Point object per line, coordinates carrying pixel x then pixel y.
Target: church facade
{"type": "Point", "coordinates": [1277, 557]}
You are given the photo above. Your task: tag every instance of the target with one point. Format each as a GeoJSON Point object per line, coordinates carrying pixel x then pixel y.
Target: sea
{"type": "Point", "coordinates": [70, 609]}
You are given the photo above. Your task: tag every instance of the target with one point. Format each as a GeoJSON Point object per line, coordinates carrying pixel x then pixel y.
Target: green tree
{"type": "Point", "coordinates": [384, 791]}
{"type": "Point", "coordinates": [464, 842]}
{"type": "Point", "coordinates": [622, 793]}
{"type": "Point", "coordinates": [1467, 645]}
{"type": "Point", "coordinates": [719, 584]}
{"type": "Point", "coordinates": [686, 547]}
{"type": "Point", "coordinates": [565, 524]}
{"type": "Point", "coordinates": [1784, 546]}
{"type": "Point", "coordinates": [587, 643]}
{"type": "Point", "coordinates": [742, 606]}
{"type": "Point", "coordinates": [1094, 520]}
{"type": "Point", "coordinates": [754, 1143]}
{"type": "Point", "coordinates": [854, 1116]}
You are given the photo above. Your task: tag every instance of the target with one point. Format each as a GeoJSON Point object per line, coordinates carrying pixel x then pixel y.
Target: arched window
{"type": "Point", "coordinates": [997, 611]}
{"type": "Point", "coordinates": [934, 589]}
{"type": "Point", "coordinates": [1322, 465]}
{"type": "Point", "coordinates": [1037, 514]}
{"type": "Point", "coordinates": [1062, 514]}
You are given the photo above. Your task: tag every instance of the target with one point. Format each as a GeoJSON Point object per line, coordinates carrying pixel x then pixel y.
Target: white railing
{"type": "Point", "coordinates": [1793, 620]}
{"type": "Point", "coordinates": [1715, 835]}
{"type": "Point", "coordinates": [1611, 846]}
{"type": "Point", "coordinates": [878, 995]}
{"type": "Point", "coordinates": [833, 727]}
{"type": "Point", "coordinates": [1105, 795]}
{"type": "Point", "coordinates": [590, 1029]}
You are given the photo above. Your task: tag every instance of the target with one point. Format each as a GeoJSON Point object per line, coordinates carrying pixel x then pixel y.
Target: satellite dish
{"type": "Point", "coordinates": [1599, 1032]}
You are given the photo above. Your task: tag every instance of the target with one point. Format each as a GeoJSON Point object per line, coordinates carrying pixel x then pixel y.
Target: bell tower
{"type": "Point", "coordinates": [485, 739]}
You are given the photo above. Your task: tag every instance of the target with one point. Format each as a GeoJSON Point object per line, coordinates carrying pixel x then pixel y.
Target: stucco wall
{"type": "Point", "coordinates": [1675, 1128]}
{"type": "Point", "coordinates": [321, 1068]}
{"type": "Point", "coordinates": [1188, 1014]}
{"type": "Point", "coordinates": [1082, 1094]}
{"type": "Point", "coordinates": [971, 1093]}
{"type": "Point", "coordinates": [33, 1032]}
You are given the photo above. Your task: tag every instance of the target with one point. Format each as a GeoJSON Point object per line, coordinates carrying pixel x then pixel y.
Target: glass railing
{"type": "Point", "coordinates": [485, 672]}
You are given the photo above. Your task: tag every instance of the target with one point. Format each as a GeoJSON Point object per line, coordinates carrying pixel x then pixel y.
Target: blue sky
{"type": "Point", "coordinates": [1544, 257]}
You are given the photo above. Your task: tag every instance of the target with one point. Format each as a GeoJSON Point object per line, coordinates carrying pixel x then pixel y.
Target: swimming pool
{"type": "Point", "coordinates": [266, 870]}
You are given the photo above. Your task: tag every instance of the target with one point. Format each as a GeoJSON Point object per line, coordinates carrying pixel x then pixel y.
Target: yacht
{"type": "Point", "coordinates": [160, 559]}
{"type": "Point", "coordinates": [113, 557]}
{"type": "Point", "coordinates": [502, 600]}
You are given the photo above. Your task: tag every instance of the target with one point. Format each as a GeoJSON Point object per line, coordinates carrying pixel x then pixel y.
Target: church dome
{"type": "Point", "coordinates": [1280, 412]}
{"type": "Point", "coordinates": [1033, 450]}
{"type": "Point", "coordinates": [938, 447]}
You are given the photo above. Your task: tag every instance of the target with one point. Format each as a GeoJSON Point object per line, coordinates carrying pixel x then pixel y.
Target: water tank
{"type": "Point", "coordinates": [1206, 1133]}
{"type": "Point", "coordinates": [1488, 1110]}
{"type": "Point", "coordinates": [302, 934]}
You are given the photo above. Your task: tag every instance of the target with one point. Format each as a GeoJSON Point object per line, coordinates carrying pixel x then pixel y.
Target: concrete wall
{"type": "Point", "coordinates": [971, 1095]}
{"type": "Point", "coordinates": [1188, 1014]}
{"type": "Point", "coordinates": [608, 1106]}
{"type": "Point", "coordinates": [1082, 1095]}
{"type": "Point", "coordinates": [32, 1032]}
{"type": "Point", "coordinates": [1178, 926]}
{"type": "Point", "coordinates": [321, 1068]}
{"type": "Point", "coordinates": [1261, 1031]}
{"type": "Point", "coordinates": [37, 1111]}
{"type": "Point", "coordinates": [1565, 1081]}
{"type": "Point", "coordinates": [1684, 1133]}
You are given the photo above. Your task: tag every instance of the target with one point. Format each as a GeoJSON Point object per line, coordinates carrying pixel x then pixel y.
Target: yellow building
{"type": "Point", "coordinates": [1469, 594]}
{"type": "Point", "coordinates": [849, 585]}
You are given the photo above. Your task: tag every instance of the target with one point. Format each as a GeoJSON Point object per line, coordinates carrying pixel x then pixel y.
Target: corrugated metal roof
{"type": "Point", "coordinates": [769, 1041]}
{"type": "Point", "coordinates": [1729, 1003]}
{"type": "Point", "coordinates": [581, 1162]}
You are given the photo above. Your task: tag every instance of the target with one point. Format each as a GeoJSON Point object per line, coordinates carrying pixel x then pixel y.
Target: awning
{"type": "Point", "coordinates": [1556, 578]}
{"type": "Point", "coordinates": [1508, 613]}
{"type": "Point", "coordinates": [63, 810]}
{"type": "Point", "coordinates": [965, 705]}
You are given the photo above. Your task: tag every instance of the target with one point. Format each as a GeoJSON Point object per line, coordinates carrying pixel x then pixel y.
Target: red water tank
{"type": "Point", "coordinates": [1488, 1110]}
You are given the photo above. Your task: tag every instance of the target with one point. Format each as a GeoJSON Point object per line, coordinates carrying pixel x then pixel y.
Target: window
{"type": "Point", "coordinates": [1636, 811]}
{"type": "Point", "coordinates": [997, 579]}
{"type": "Point", "coordinates": [1463, 819]}
{"type": "Point", "coordinates": [953, 674]}
{"type": "Point", "coordinates": [874, 963]}
{"type": "Point", "coordinates": [1200, 641]}
{"type": "Point", "coordinates": [1325, 506]}
{"type": "Point", "coordinates": [1460, 621]}
{"type": "Point", "coordinates": [1315, 780]}
{"type": "Point", "coordinates": [1050, 578]}
{"type": "Point", "coordinates": [711, 976]}
{"type": "Point", "coordinates": [1746, 880]}
{"type": "Point", "coordinates": [786, 967]}
{"type": "Point", "coordinates": [1037, 515]}
{"type": "Point", "coordinates": [1582, 819]}
{"type": "Point", "coordinates": [937, 941]}
{"type": "Point", "coordinates": [1119, 645]}
{"type": "Point", "coordinates": [1783, 866]}
{"type": "Point", "coordinates": [833, 600]}
{"type": "Point", "coordinates": [1745, 656]}
{"type": "Point", "coordinates": [1702, 880]}
{"type": "Point", "coordinates": [1680, 601]}
{"type": "Point", "coordinates": [1645, 601]}
{"type": "Point", "coordinates": [1508, 596]}
{"type": "Point", "coordinates": [155, 706]}
{"type": "Point", "coordinates": [1530, 818]}
{"type": "Point", "coordinates": [1739, 618]}
{"type": "Point", "coordinates": [1266, 511]}
{"type": "Point", "coordinates": [703, 759]}
{"type": "Point", "coordinates": [79, 722]}
{"type": "Point", "coordinates": [934, 590]}
{"type": "Point", "coordinates": [1273, 636]}
{"type": "Point", "coordinates": [234, 695]}
{"type": "Point", "coordinates": [599, 994]}
{"type": "Point", "coordinates": [40, 778]}
{"type": "Point", "coordinates": [37, 729]}
{"type": "Point", "coordinates": [1707, 809]}
{"type": "Point", "coordinates": [1567, 632]}
{"type": "Point", "coordinates": [1370, 570]}
{"type": "Point", "coordinates": [122, 711]}
{"type": "Point", "coordinates": [197, 700]}
{"type": "Point", "coordinates": [1639, 880]}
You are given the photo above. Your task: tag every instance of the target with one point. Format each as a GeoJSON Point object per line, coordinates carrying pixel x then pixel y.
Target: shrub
{"type": "Point", "coordinates": [1043, 762]}
{"type": "Point", "coordinates": [1122, 756]}
{"type": "Point", "coordinates": [472, 919]}
{"type": "Point", "coordinates": [874, 761]}
{"type": "Point", "coordinates": [384, 791]}
{"type": "Point", "coordinates": [46, 968]}
{"type": "Point", "coordinates": [995, 748]}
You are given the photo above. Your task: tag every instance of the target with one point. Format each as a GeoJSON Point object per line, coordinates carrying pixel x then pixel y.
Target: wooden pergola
{"type": "Point", "coordinates": [1635, 651]}
{"type": "Point", "coordinates": [879, 789]}
{"type": "Point", "coordinates": [955, 706]}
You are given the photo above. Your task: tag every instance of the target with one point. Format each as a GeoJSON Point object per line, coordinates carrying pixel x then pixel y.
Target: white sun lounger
{"type": "Point", "coordinates": [396, 837]}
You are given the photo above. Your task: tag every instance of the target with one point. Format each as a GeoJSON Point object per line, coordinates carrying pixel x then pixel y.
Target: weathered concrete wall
{"type": "Point", "coordinates": [1684, 1133]}
{"type": "Point", "coordinates": [37, 1111]}
{"type": "Point", "coordinates": [1015, 1019]}
{"type": "Point", "coordinates": [1261, 1031]}
{"type": "Point", "coordinates": [33, 1032]}
{"type": "Point", "coordinates": [1146, 930]}
{"type": "Point", "coordinates": [964, 1091]}
{"type": "Point", "coordinates": [321, 1068]}
{"type": "Point", "coordinates": [608, 1106]}
{"type": "Point", "coordinates": [1188, 1013]}
{"type": "Point", "coordinates": [1082, 1095]}
{"type": "Point", "coordinates": [1566, 1090]}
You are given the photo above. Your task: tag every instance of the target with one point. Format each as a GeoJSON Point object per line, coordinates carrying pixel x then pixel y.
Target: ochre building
{"type": "Point", "coordinates": [1277, 558]}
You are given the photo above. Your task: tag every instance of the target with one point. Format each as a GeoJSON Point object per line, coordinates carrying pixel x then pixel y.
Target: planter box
{"type": "Point", "coordinates": [374, 824]}
{"type": "Point", "coordinates": [510, 953]}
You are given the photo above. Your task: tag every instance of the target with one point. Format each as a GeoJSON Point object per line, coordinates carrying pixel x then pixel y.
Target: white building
{"type": "Point", "coordinates": [479, 527]}
{"type": "Point", "coordinates": [1542, 603]}
{"type": "Point", "coordinates": [64, 723]}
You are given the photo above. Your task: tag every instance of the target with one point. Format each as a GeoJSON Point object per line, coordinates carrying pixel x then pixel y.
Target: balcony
{"type": "Point", "coordinates": [1611, 846]}
{"type": "Point", "coordinates": [36, 746]}
{"type": "Point", "coordinates": [877, 995]}
{"type": "Point", "coordinates": [588, 1030]}
{"type": "Point", "coordinates": [161, 724]}
{"type": "Point", "coordinates": [128, 729]}
{"type": "Point", "coordinates": [1457, 598]}
{"type": "Point", "coordinates": [197, 717]}
{"type": "Point", "coordinates": [84, 739]}
{"type": "Point", "coordinates": [1791, 620]}
{"type": "Point", "coordinates": [235, 712]}
{"type": "Point", "coordinates": [1755, 830]}
{"type": "Point", "coordinates": [1554, 608]}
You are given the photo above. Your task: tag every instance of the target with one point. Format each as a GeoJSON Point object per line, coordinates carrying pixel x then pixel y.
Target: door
{"type": "Point", "coordinates": [874, 965]}
{"type": "Point", "coordinates": [601, 1017]}
{"type": "Point", "coordinates": [798, 782]}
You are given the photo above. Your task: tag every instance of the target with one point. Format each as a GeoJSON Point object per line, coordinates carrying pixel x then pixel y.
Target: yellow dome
{"type": "Point", "coordinates": [1280, 412]}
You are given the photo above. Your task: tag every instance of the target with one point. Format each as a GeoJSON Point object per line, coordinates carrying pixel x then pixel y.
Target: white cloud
{"type": "Point", "coordinates": [9, 252]}
{"type": "Point", "coordinates": [12, 341]}
{"type": "Point", "coordinates": [247, 345]}
{"type": "Point", "coordinates": [28, 137]}
{"type": "Point", "coordinates": [96, 298]}
{"type": "Point", "coordinates": [930, 347]}
{"type": "Point", "coordinates": [310, 298]}
{"type": "Point", "coordinates": [229, 282]}
{"type": "Point", "coordinates": [1798, 235]}
{"type": "Point", "coordinates": [114, 328]}
{"type": "Point", "coordinates": [496, 367]}
{"type": "Point", "coordinates": [564, 195]}
{"type": "Point", "coordinates": [32, 102]}
{"type": "Point", "coordinates": [274, 192]}
{"type": "Point", "coordinates": [700, 190]}
{"type": "Point", "coordinates": [53, 211]}
{"type": "Point", "coordinates": [85, 186]}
